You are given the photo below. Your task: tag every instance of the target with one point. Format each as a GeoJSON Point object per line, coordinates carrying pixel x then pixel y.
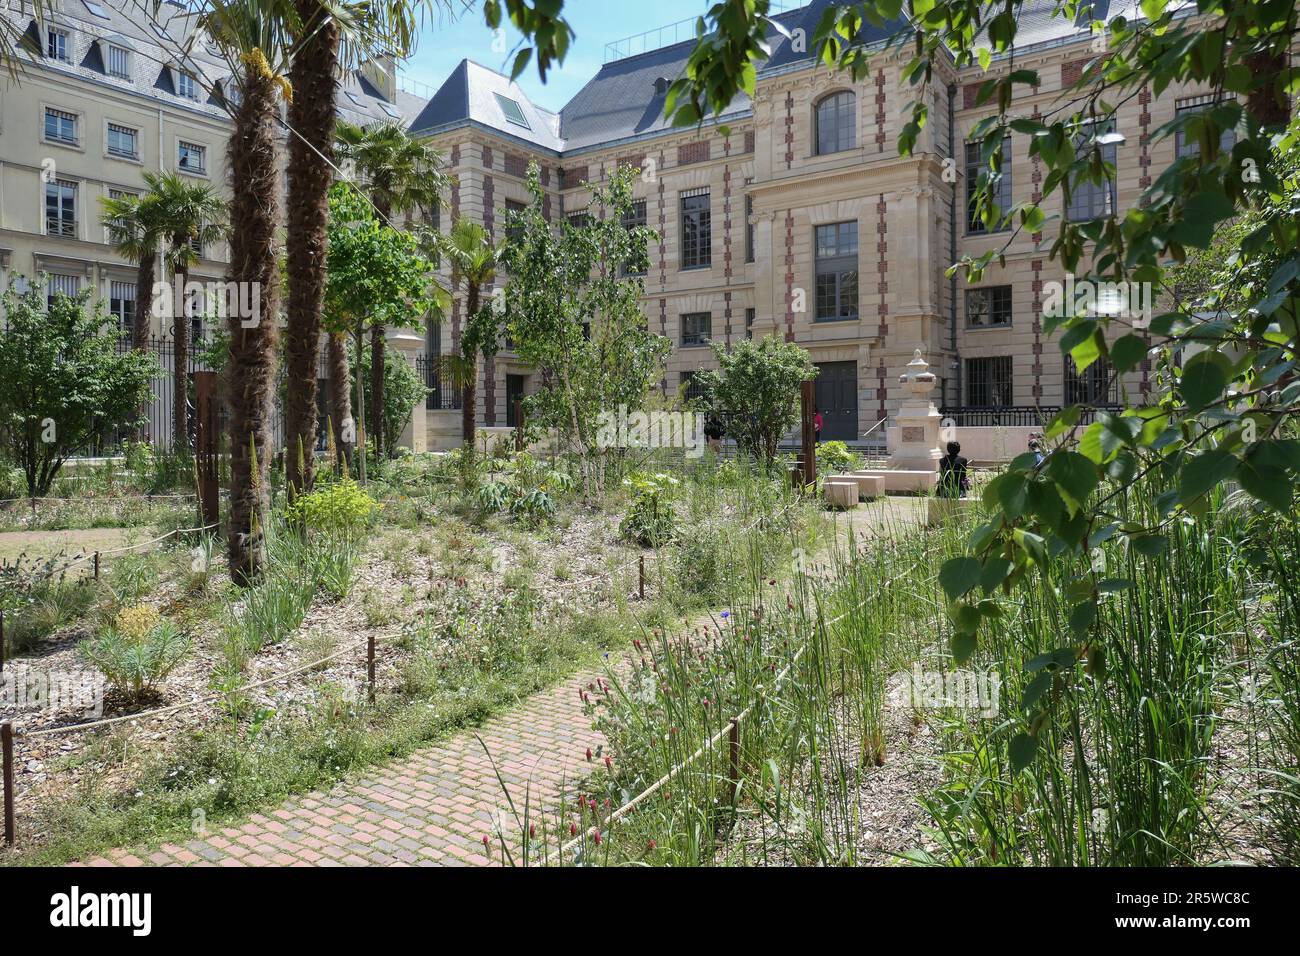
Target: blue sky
{"type": "Point", "coordinates": [445, 43]}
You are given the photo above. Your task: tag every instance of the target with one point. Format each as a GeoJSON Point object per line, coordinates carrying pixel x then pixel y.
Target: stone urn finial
{"type": "Point", "coordinates": [918, 380]}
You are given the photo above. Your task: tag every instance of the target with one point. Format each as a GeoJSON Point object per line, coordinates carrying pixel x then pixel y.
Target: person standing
{"type": "Point", "coordinates": [953, 481]}
{"type": "Point", "coordinates": [817, 424]}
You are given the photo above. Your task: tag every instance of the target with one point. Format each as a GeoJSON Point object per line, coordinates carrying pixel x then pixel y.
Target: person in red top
{"type": "Point", "coordinates": [817, 424]}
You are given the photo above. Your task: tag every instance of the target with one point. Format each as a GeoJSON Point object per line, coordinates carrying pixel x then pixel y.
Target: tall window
{"type": "Point", "coordinates": [1001, 194]}
{"type": "Point", "coordinates": [1090, 200]}
{"type": "Point", "coordinates": [61, 209]}
{"type": "Point", "coordinates": [749, 228]}
{"type": "Point", "coordinates": [121, 304]}
{"type": "Point", "coordinates": [837, 271]}
{"type": "Point", "coordinates": [57, 285]}
{"type": "Point", "coordinates": [192, 158]}
{"type": "Point", "coordinates": [634, 219]}
{"type": "Point", "coordinates": [119, 62]}
{"type": "Point", "coordinates": [697, 230]}
{"type": "Point", "coordinates": [836, 126]}
{"type": "Point", "coordinates": [697, 328]}
{"type": "Point", "coordinates": [988, 307]}
{"type": "Point", "coordinates": [56, 44]}
{"type": "Point", "coordinates": [1186, 145]}
{"type": "Point", "coordinates": [123, 141]}
{"type": "Point", "coordinates": [578, 220]}
{"type": "Point", "coordinates": [514, 229]}
{"type": "Point", "coordinates": [1093, 387]}
{"type": "Point", "coordinates": [749, 323]}
{"type": "Point", "coordinates": [61, 127]}
{"type": "Point", "coordinates": [988, 381]}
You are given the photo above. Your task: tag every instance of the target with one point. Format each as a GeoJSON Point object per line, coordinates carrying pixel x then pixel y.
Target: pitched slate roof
{"type": "Point", "coordinates": [475, 94]}
{"type": "Point", "coordinates": [126, 25]}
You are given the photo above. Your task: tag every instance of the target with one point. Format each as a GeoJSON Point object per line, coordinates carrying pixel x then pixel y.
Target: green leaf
{"type": "Point", "coordinates": [1150, 545]}
{"type": "Point", "coordinates": [1074, 476]}
{"type": "Point", "coordinates": [1021, 751]}
{"type": "Point", "coordinates": [959, 575]}
{"type": "Point", "coordinates": [994, 573]}
{"type": "Point", "coordinates": [963, 646]}
{"type": "Point", "coordinates": [1127, 352]}
{"type": "Point", "coordinates": [1082, 616]}
{"type": "Point", "coordinates": [1204, 378]}
{"type": "Point", "coordinates": [1204, 472]}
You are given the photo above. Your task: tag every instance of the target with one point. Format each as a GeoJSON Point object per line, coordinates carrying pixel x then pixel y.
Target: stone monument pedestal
{"type": "Point", "coordinates": [913, 465]}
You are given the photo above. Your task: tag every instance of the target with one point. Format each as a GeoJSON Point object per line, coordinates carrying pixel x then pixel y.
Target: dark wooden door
{"type": "Point", "coordinates": [514, 390]}
{"type": "Point", "coordinates": [837, 400]}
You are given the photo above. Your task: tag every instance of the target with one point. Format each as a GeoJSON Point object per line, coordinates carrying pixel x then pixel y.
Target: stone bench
{"type": "Point", "coordinates": [870, 485]}
{"type": "Point", "coordinates": [904, 481]}
{"type": "Point", "coordinates": [840, 491]}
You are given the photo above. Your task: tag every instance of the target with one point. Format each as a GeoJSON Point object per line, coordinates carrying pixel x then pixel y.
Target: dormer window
{"type": "Point", "coordinates": [96, 9]}
{"type": "Point", "coordinates": [512, 111]}
{"type": "Point", "coordinates": [118, 62]}
{"type": "Point", "coordinates": [186, 85]}
{"type": "Point", "coordinates": [56, 44]}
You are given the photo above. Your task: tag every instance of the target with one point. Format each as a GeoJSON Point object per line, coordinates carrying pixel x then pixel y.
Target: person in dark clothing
{"type": "Point", "coordinates": [953, 482]}
{"type": "Point", "coordinates": [713, 431]}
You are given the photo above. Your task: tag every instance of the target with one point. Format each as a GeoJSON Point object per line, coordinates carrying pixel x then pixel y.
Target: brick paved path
{"type": "Point", "coordinates": [435, 807]}
{"type": "Point", "coordinates": [432, 808]}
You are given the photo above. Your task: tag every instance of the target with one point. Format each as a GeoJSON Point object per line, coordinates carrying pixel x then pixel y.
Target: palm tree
{"type": "Point", "coordinates": [135, 230]}
{"type": "Point", "coordinates": [254, 39]}
{"type": "Point", "coordinates": [333, 37]}
{"type": "Point", "coordinates": [474, 259]}
{"type": "Point", "coordinates": [194, 216]}
{"type": "Point", "coordinates": [401, 175]}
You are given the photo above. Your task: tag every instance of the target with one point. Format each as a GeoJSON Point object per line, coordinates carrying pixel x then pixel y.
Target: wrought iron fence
{"type": "Point", "coordinates": [1032, 416]}
{"type": "Point", "coordinates": [443, 396]}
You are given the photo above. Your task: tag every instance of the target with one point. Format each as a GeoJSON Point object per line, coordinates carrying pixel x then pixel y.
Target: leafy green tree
{"type": "Point", "coordinates": [377, 275]}
{"type": "Point", "coordinates": [755, 391]}
{"type": "Point", "coordinates": [65, 383]}
{"type": "Point", "coordinates": [404, 388]}
{"type": "Point", "coordinates": [573, 309]}
{"type": "Point", "coordinates": [401, 174]}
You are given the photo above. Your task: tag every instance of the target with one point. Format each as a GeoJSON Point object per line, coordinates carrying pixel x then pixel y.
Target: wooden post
{"type": "Point", "coordinates": [205, 448]}
{"type": "Point", "coordinates": [96, 565]}
{"type": "Point", "coordinates": [2, 640]}
{"type": "Point", "coordinates": [7, 745]}
{"type": "Point", "coordinates": [733, 769]}
{"type": "Point", "coordinates": [641, 577]}
{"type": "Point", "coordinates": [808, 404]}
{"type": "Point", "coordinates": [370, 664]}
{"type": "Point", "coordinates": [519, 425]}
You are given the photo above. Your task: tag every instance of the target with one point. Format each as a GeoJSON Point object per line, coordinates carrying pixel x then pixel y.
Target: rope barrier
{"type": "Point", "coordinates": [713, 741]}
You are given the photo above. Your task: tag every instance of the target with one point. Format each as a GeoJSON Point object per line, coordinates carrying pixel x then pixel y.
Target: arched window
{"type": "Point", "coordinates": [836, 125]}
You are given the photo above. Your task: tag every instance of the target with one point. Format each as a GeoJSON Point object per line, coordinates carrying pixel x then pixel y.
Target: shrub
{"type": "Point", "coordinates": [137, 651]}
{"type": "Point", "coordinates": [339, 508]}
{"type": "Point", "coordinates": [526, 489]}
{"type": "Point", "coordinates": [652, 520]}
{"type": "Point", "coordinates": [836, 456]}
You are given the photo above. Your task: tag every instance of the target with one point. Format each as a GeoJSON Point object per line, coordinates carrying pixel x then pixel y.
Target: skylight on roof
{"type": "Point", "coordinates": [96, 9]}
{"type": "Point", "coordinates": [161, 30]}
{"type": "Point", "coordinates": [390, 109]}
{"type": "Point", "coordinates": [512, 111]}
{"type": "Point", "coordinates": [353, 97]}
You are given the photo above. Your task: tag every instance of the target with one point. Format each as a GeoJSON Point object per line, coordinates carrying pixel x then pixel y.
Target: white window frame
{"type": "Point", "coordinates": [108, 151]}
{"type": "Point", "coordinates": [184, 145]}
{"type": "Point", "coordinates": [61, 51]}
{"type": "Point", "coordinates": [111, 49]}
{"type": "Point", "coordinates": [76, 216]}
{"type": "Point", "coordinates": [76, 117]}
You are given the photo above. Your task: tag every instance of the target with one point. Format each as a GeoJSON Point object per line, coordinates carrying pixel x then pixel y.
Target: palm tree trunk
{"type": "Point", "coordinates": [362, 450]}
{"type": "Point", "coordinates": [254, 264]}
{"type": "Point", "coordinates": [470, 372]}
{"type": "Point", "coordinates": [340, 399]}
{"type": "Point", "coordinates": [180, 364]}
{"type": "Point", "coordinates": [311, 155]}
{"type": "Point", "coordinates": [144, 278]}
{"type": "Point", "coordinates": [141, 326]}
{"type": "Point", "coordinates": [376, 413]}
{"type": "Point", "coordinates": [377, 339]}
